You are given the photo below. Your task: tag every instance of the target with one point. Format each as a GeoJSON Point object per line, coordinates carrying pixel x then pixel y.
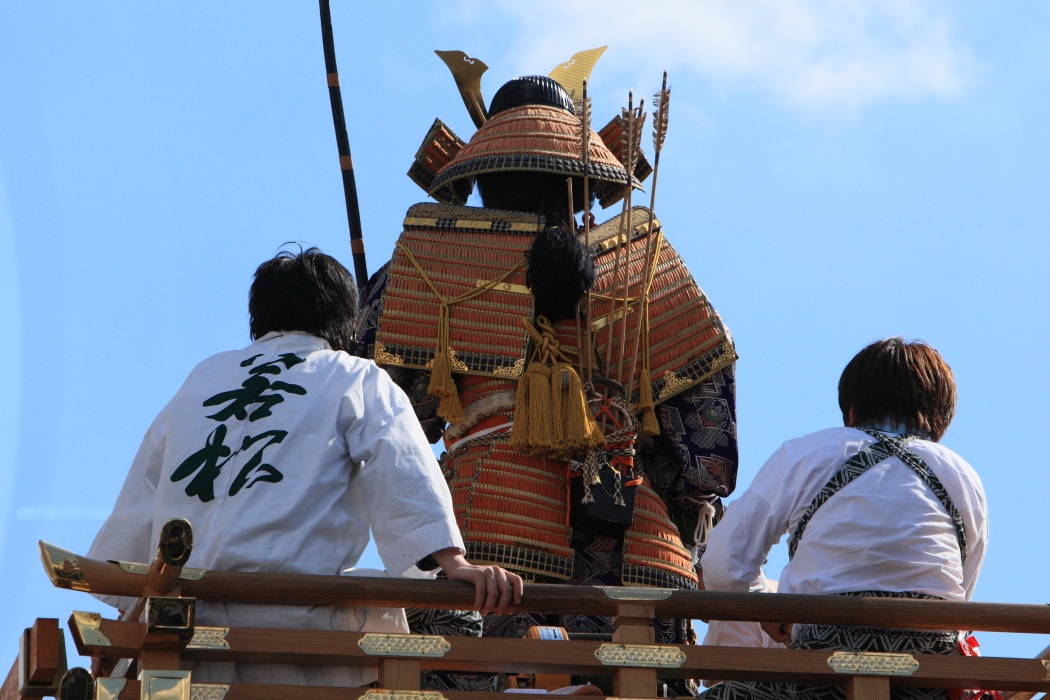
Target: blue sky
{"type": "Point", "coordinates": [834, 172]}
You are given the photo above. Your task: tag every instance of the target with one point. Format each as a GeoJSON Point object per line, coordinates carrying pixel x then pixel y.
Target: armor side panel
{"type": "Point", "coordinates": [467, 263]}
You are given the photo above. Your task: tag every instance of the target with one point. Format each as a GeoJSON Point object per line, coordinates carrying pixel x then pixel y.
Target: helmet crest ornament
{"type": "Point", "coordinates": [532, 125]}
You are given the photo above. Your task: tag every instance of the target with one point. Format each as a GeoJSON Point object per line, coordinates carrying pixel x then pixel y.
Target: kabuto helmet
{"type": "Point", "coordinates": [530, 126]}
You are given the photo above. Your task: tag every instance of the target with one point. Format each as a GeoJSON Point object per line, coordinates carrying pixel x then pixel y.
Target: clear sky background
{"type": "Point", "coordinates": [835, 171]}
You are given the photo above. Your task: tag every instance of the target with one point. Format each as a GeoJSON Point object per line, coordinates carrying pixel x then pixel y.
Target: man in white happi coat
{"type": "Point", "coordinates": [283, 455]}
{"type": "Point", "coordinates": [876, 508]}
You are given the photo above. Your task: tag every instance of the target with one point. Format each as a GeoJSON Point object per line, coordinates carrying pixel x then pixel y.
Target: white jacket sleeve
{"type": "Point", "coordinates": [738, 546]}
{"type": "Point", "coordinates": [126, 534]}
{"type": "Point", "coordinates": [409, 504]}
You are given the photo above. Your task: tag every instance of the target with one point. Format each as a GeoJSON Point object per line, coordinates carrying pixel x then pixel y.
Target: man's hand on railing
{"type": "Point", "coordinates": [495, 589]}
{"type": "Point", "coordinates": [778, 631]}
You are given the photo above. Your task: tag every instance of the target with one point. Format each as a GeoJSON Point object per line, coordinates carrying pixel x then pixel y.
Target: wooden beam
{"type": "Point", "coordinates": [267, 645]}
{"type": "Point", "coordinates": [9, 690]}
{"type": "Point", "coordinates": [72, 571]}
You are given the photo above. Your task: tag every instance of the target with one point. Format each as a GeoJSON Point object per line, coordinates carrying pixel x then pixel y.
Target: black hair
{"type": "Point", "coordinates": [306, 291]}
{"type": "Point", "coordinates": [560, 272]}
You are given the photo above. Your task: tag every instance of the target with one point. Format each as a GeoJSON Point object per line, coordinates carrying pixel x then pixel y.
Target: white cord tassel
{"type": "Point", "coordinates": [704, 522]}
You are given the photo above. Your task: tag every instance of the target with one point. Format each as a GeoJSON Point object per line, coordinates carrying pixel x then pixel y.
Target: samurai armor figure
{"type": "Point", "coordinates": [458, 319]}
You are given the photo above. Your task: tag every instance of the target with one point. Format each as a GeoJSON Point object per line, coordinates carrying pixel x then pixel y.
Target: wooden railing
{"type": "Point", "coordinates": [632, 659]}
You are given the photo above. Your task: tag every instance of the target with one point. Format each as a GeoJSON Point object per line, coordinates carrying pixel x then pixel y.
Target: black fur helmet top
{"type": "Point", "coordinates": [530, 90]}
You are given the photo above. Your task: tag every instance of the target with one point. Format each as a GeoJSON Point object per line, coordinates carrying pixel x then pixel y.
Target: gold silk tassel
{"type": "Point", "coordinates": [541, 427]}
{"type": "Point", "coordinates": [533, 431]}
{"type": "Point", "coordinates": [442, 385]}
{"type": "Point", "coordinates": [559, 381]}
{"type": "Point", "coordinates": [551, 415]}
{"type": "Point", "coordinates": [575, 427]}
{"type": "Point", "coordinates": [646, 407]}
{"type": "Point", "coordinates": [519, 433]}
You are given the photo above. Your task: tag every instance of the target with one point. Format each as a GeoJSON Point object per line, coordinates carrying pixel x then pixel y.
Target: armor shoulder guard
{"type": "Point", "coordinates": [672, 330]}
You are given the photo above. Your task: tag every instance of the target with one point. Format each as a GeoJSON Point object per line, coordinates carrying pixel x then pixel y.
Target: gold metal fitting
{"type": "Point", "coordinates": [381, 694]}
{"type": "Point", "coordinates": [164, 685]}
{"type": "Point", "coordinates": [640, 655]}
{"type": "Point", "coordinates": [87, 625]}
{"type": "Point", "coordinates": [62, 567]}
{"type": "Point", "coordinates": [166, 615]}
{"type": "Point", "coordinates": [873, 663]}
{"type": "Point", "coordinates": [109, 688]}
{"type": "Point", "coordinates": [406, 645]}
{"type": "Point", "coordinates": [630, 593]}
{"type": "Point", "coordinates": [209, 638]}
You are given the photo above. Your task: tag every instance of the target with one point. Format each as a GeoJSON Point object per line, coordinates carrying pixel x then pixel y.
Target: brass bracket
{"type": "Point", "coordinates": [454, 362]}
{"type": "Point", "coordinates": [1046, 665]}
{"type": "Point", "coordinates": [136, 568]}
{"type": "Point", "coordinates": [672, 385]}
{"type": "Point", "coordinates": [503, 287]}
{"type": "Point", "coordinates": [87, 624]}
{"type": "Point", "coordinates": [381, 694]}
{"type": "Point", "coordinates": [109, 688]}
{"type": "Point", "coordinates": [640, 655]}
{"type": "Point", "coordinates": [208, 691]}
{"type": "Point", "coordinates": [629, 593]}
{"type": "Point", "coordinates": [63, 567]}
{"type": "Point", "coordinates": [209, 638]}
{"type": "Point", "coordinates": [514, 370]}
{"type": "Point", "coordinates": [167, 615]}
{"type": "Point", "coordinates": [164, 685]}
{"type": "Point", "coordinates": [406, 645]}
{"type": "Point", "coordinates": [873, 663]}
{"type": "Point", "coordinates": [385, 358]}
{"type": "Point", "coordinates": [615, 240]}
{"type": "Point", "coordinates": [602, 321]}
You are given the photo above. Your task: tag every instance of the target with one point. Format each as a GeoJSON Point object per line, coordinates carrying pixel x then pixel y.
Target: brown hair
{"type": "Point", "coordinates": [906, 383]}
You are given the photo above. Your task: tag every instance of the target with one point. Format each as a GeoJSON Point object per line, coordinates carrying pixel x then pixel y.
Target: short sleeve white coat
{"type": "Point", "coordinates": [283, 456]}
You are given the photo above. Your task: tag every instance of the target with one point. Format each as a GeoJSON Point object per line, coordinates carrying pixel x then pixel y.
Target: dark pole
{"type": "Point", "coordinates": [346, 163]}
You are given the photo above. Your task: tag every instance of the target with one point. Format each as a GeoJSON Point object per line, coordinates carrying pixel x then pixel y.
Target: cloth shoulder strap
{"type": "Point", "coordinates": [884, 447]}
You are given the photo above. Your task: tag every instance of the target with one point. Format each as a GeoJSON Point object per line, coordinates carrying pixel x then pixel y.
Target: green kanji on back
{"type": "Point", "coordinates": [206, 463]}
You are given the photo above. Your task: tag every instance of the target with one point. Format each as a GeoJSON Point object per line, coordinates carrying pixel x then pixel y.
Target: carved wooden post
{"type": "Point", "coordinates": [868, 688]}
{"type": "Point", "coordinates": [161, 641]}
{"type": "Point", "coordinates": [634, 626]}
{"type": "Point", "coordinates": [399, 674]}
